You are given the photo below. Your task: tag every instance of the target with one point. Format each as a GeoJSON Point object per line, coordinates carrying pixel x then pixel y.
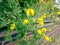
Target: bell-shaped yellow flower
{"type": "Point", "coordinates": [13, 24]}
{"type": "Point", "coordinates": [58, 12]}
{"type": "Point", "coordinates": [41, 23]}
{"type": "Point", "coordinates": [12, 27]}
{"type": "Point", "coordinates": [44, 16]}
{"type": "Point", "coordinates": [40, 19]}
{"type": "Point", "coordinates": [39, 31]}
{"type": "Point", "coordinates": [31, 12]}
{"type": "Point", "coordinates": [27, 12]}
{"type": "Point", "coordinates": [46, 38]}
{"type": "Point", "coordinates": [41, 1]}
{"type": "Point", "coordinates": [44, 29]}
{"type": "Point", "coordinates": [26, 21]}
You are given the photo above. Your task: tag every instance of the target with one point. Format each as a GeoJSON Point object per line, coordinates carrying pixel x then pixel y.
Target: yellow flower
{"type": "Point", "coordinates": [39, 31]}
{"type": "Point", "coordinates": [58, 12]}
{"type": "Point", "coordinates": [13, 24]}
{"type": "Point", "coordinates": [40, 19]}
{"type": "Point", "coordinates": [41, 1]}
{"type": "Point", "coordinates": [12, 27]}
{"type": "Point", "coordinates": [26, 21]}
{"type": "Point", "coordinates": [41, 23]}
{"type": "Point", "coordinates": [44, 16]}
{"type": "Point", "coordinates": [29, 12]}
{"type": "Point", "coordinates": [47, 38]}
{"type": "Point", "coordinates": [44, 29]}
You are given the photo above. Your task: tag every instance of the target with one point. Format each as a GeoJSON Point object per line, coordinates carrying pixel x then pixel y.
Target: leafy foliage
{"type": "Point", "coordinates": [14, 15]}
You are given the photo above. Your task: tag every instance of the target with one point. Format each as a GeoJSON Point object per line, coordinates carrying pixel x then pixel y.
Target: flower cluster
{"type": "Point", "coordinates": [40, 21]}
{"type": "Point", "coordinates": [40, 31]}
{"type": "Point", "coordinates": [47, 38]}
{"type": "Point", "coordinates": [29, 12]}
